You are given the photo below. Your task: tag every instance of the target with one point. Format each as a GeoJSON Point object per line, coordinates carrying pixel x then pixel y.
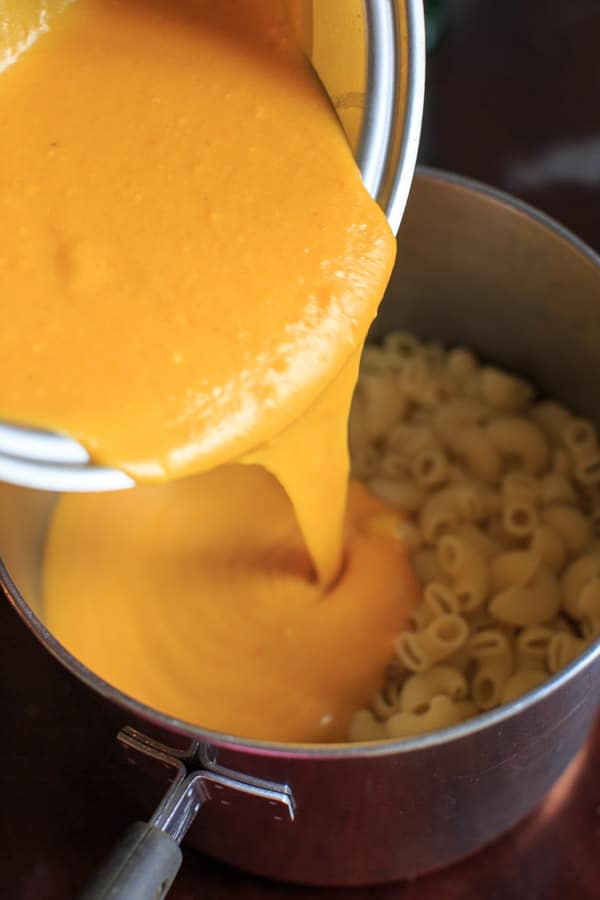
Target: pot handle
{"type": "Point", "coordinates": [145, 862]}
{"type": "Point", "coordinates": [142, 866]}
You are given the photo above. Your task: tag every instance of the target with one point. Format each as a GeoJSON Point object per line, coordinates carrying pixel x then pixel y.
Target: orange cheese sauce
{"type": "Point", "coordinates": [189, 264]}
{"type": "Point", "coordinates": [188, 254]}
{"type": "Point", "coordinates": [203, 606]}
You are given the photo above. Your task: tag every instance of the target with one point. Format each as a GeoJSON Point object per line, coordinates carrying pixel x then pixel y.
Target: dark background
{"type": "Point", "coordinates": [513, 99]}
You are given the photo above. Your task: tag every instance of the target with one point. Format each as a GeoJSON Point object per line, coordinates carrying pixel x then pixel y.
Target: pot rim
{"type": "Point", "coordinates": [389, 142]}
{"type": "Point", "coordinates": [345, 750]}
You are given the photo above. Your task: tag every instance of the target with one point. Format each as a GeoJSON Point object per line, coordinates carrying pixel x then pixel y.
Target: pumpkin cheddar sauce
{"type": "Point", "coordinates": [189, 264]}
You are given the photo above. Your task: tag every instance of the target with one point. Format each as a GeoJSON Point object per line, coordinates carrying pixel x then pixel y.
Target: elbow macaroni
{"type": "Point", "coordinates": [450, 506]}
{"type": "Point", "coordinates": [442, 637]}
{"type": "Point", "coordinates": [430, 466]}
{"type": "Point", "coordinates": [571, 524]}
{"type": "Point", "coordinates": [579, 439]}
{"type": "Point", "coordinates": [473, 446]}
{"type": "Point", "coordinates": [439, 712]}
{"type": "Point", "coordinates": [505, 393]}
{"type": "Point", "coordinates": [521, 441]}
{"type": "Point", "coordinates": [522, 682]}
{"type": "Point", "coordinates": [552, 418]}
{"type": "Point", "coordinates": [533, 603]}
{"type": "Point", "coordinates": [532, 646]}
{"type": "Point", "coordinates": [502, 504]}
{"type": "Point", "coordinates": [467, 569]}
{"type": "Point", "coordinates": [549, 547]}
{"type": "Point", "coordinates": [519, 505]}
{"type": "Point", "coordinates": [440, 680]}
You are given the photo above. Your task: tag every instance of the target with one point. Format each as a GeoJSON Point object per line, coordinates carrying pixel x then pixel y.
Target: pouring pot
{"type": "Point", "coordinates": [474, 267]}
{"type": "Point", "coordinates": [370, 58]}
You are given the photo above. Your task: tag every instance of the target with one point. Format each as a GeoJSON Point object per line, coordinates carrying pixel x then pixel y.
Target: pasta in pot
{"type": "Point", "coordinates": [552, 418]}
{"type": "Point", "coordinates": [532, 646]}
{"type": "Point", "coordinates": [442, 637]}
{"type": "Point", "coordinates": [502, 501]}
{"type": "Point", "coordinates": [547, 544]}
{"type": "Point", "coordinates": [439, 712]}
{"type": "Point", "coordinates": [557, 487]}
{"type": "Point", "coordinates": [521, 682]}
{"type": "Point", "coordinates": [504, 392]}
{"type": "Point", "coordinates": [533, 603]}
{"type": "Point", "coordinates": [439, 599]}
{"type": "Point", "coordinates": [519, 506]}
{"type": "Point", "coordinates": [579, 439]}
{"type": "Point", "coordinates": [590, 628]}
{"type": "Point", "coordinates": [438, 681]}
{"type": "Point", "coordinates": [466, 567]}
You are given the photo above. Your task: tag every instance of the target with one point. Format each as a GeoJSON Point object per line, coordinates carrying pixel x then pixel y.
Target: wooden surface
{"type": "Point", "coordinates": [513, 99]}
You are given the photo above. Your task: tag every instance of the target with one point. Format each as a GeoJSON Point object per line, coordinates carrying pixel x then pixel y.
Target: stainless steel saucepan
{"type": "Point", "coordinates": [474, 267]}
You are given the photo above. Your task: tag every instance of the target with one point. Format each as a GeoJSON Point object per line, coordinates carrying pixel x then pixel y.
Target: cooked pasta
{"type": "Point", "coordinates": [562, 649]}
{"type": "Point", "coordinates": [430, 466]}
{"type": "Point", "coordinates": [380, 402]}
{"type": "Point", "coordinates": [394, 465]}
{"type": "Point", "coordinates": [521, 682]}
{"type": "Point", "coordinates": [450, 506]}
{"type": "Point", "coordinates": [426, 566]}
{"type": "Point", "coordinates": [532, 646]}
{"type": "Point", "coordinates": [521, 442]}
{"type": "Point", "coordinates": [519, 505]}
{"type": "Point", "coordinates": [365, 727]}
{"type": "Point", "coordinates": [440, 680]}
{"type": "Point", "coordinates": [489, 643]}
{"type": "Point", "coordinates": [405, 495]}
{"type": "Point", "coordinates": [502, 503]}
{"type": "Point", "coordinates": [407, 440]}
{"type": "Point", "coordinates": [467, 569]}
{"type": "Point", "coordinates": [579, 439]}
{"type": "Point", "coordinates": [480, 621]}
{"type": "Point", "coordinates": [440, 599]}
{"type": "Point", "coordinates": [587, 470]}
{"type": "Point", "coordinates": [553, 418]}
{"type": "Point", "coordinates": [401, 344]}
{"type": "Point", "coordinates": [489, 680]}
{"type": "Point", "coordinates": [561, 464]}
{"type": "Point", "coordinates": [576, 576]}
{"type": "Point", "coordinates": [473, 446]}
{"type": "Point", "coordinates": [557, 487]}
{"type": "Point", "coordinates": [365, 462]}
{"type": "Point", "coordinates": [461, 365]}
{"type": "Point", "coordinates": [572, 525]}
{"type": "Point", "coordinates": [588, 603]}
{"type": "Point", "coordinates": [449, 417]}
{"type": "Point", "coordinates": [439, 712]}
{"type": "Point", "coordinates": [533, 603]}
{"type": "Point", "coordinates": [504, 392]}
{"type": "Point", "coordinates": [549, 547]}
{"type": "Point", "coordinates": [442, 637]}
{"type": "Point", "coordinates": [481, 540]}
{"type": "Point", "coordinates": [513, 568]}
{"type": "Point", "coordinates": [590, 628]}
